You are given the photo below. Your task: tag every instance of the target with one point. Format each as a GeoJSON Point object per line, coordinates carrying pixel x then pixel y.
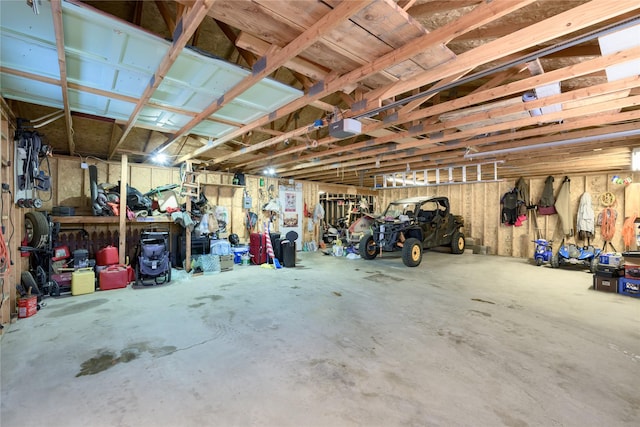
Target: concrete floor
{"type": "Point", "coordinates": [465, 340]}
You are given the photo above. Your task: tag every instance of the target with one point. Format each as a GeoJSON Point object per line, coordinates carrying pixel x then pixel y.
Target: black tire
{"type": "Point", "coordinates": [412, 252]}
{"type": "Point", "coordinates": [36, 227]}
{"type": "Point", "coordinates": [458, 243]}
{"type": "Point", "coordinates": [367, 247]}
{"type": "Point", "coordinates": [593, 265]}
{"type": "Point", "coordinates": [169, 275]}
{"type": "Point", "coordinates": [138, 276]}
{"type": "Point", "coordinates": [27, 280]}
{"type": "Point", "coordinates": [555, 261]}
{"type": "Point", "coordinates": [538, 262]}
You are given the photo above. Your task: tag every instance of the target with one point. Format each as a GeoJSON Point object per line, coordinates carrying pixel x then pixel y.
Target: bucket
{"type": "Point", "coordinates": [245, 258]}
{"type": "Point", "coordinates": [27, 307]}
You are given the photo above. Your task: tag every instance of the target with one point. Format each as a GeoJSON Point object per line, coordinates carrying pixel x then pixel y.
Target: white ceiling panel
{"type": "Point", "coordinates": [29, 55]}
{"type": "Point", "coordinates": [213, 129]}
{"type": "Point", "coordinates": [23, 89]}
{"type": "Point", "coordinates": [113, 56]}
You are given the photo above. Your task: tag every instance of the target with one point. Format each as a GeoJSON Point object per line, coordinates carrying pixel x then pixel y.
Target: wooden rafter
{"type": "Point", "coordinates": [481, 15]}
{"type": "Point", "coordinates": [187, 25]}
{"type": "Point", "coordinates": [56, 8]}
{"type": "Point", "coordinates": [272, 61]}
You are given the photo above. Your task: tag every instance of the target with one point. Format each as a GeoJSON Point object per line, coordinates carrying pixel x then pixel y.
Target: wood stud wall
{"type": "Point", "coordinates": [480, 205]}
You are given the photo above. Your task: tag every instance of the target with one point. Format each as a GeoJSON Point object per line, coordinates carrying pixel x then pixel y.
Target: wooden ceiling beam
{"type": "Point", "coordinates": [187, 26]}
{"type": "Point", "coordinates": [56, 9]}
{"type": "Point", "coordinates": [481, 15]}
{"type": "Point", "coordinates": [573, 20]}
{"type": "Point", "coordinates": [272, 61]}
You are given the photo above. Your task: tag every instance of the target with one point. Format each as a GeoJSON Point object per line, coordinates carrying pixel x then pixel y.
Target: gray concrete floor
{"type": "Point", "coordinates": [465, 340]}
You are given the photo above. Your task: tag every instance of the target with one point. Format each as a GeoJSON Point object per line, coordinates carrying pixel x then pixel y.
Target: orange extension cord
{"type": "Point", "coordinates": [5, 261]}
{"type": "Point", "coordinates": [628, 231]}
{"type": "Point", "coordinates": [608, 226]}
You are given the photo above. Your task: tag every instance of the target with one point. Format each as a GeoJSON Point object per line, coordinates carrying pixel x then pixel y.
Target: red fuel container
{"type": "Point", "coordinates": [114, 277]}
{"type": "Point", "coordinates": [107, 256]}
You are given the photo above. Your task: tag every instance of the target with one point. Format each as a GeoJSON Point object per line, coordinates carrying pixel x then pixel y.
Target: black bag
{"type": "Point", "coordinates": [238, 178]}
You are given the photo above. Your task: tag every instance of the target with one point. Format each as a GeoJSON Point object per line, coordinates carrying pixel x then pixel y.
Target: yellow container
{"type": "Point", "coordinates": [83, 281]}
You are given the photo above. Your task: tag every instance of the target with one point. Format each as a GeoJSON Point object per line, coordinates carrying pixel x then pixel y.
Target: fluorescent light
{"type": "Point", "coordinates": [635, 159]}
{"type": "Point", "coordinates": [592, 138]}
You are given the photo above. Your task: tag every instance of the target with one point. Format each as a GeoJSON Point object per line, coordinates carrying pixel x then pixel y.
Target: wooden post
{"type": "Point", "coordinates": [124, 174]}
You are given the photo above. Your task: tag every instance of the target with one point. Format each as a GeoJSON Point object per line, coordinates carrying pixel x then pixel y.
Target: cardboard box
{"type": "Point", "coordinates": [631, 258]}
{"type": "Point", "coordinates": [226, 262]}
{"type": "Point", "coordinates": [629, 287]}
{"type": "Point", "coordinates": [605, 284]}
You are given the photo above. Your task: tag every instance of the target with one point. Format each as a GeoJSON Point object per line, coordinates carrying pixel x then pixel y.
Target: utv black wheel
{"type": "Point", "coordinates": [36, 227]}
{"type": "Point", "coordinates": [593, 265]}
{"type": "Point", "coordinates": [457, 243]}
{"type": "Point", "coordinates": [368, 248]}
{"type": "Point", "coordinates": [538, 262]}
{"type": "Point", "coordinates": [555, 261]}
{"type": "Point", "coordinates": [412, 252]}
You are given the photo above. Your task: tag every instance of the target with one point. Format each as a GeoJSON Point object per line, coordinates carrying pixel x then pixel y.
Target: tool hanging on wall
{"type": "Point", "coordinates": [29, 178]}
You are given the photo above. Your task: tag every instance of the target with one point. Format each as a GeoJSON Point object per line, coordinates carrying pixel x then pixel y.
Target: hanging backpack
{"type": "Point", "coordinates": [546, 205]}
{"type": "Point", "coordinates": [509, 211]}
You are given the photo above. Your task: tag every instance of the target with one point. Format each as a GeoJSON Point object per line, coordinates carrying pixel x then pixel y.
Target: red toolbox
{"type": "Point", "coordinates": [114, 277]}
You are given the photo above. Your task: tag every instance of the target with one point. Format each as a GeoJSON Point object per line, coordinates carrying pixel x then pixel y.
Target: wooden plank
{"type": "Point", "coordinates": [273, 61]}
{"type": "Point", "coordinates": [577, 18]}
{"type": "Point", "coordinates": [122, 229]}
{"type": "Point", "coordinates": [189, 24]}
{"type": "Point", "coordinates": [480, 15]}
{"type": "Point", "coordinates": [56, 9]}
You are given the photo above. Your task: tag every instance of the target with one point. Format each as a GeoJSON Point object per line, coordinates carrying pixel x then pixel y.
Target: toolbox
{"type": "Point", "coordinates": [113, 277]}
{"type": "Point", "coordinates": [83, 281]}
{"type": "Point", "coordinates": [610, 259]}
{"type": "Point", "coordinates": [629, 287]}
{"type": "Point", "coordinates": [632, 271]}
{"type": "Point", "coordinates": [605, 284]}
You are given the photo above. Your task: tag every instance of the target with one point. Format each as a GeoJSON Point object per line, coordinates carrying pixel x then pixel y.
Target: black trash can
{"type": "Point", "coordinates": [289, 249]}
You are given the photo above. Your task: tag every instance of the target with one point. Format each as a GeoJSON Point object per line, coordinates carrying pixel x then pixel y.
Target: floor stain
{"type": "Point", "coordinates": [482, 300]}
{"type": "Point", "coordinates": [107, 359]}
{"type": "Point", "coordinates": [78, 307]}
{"type": "Point", "coordinates": [479, 312]}
{"type": "Point", "coordinates": [295, 287]}
{"type": "Point", "coordinates": [211, 297]}
{"type": "Point", "coordinates": [338, 294]}
{"type": "Point", "coordinates": [383, 278]}
{"type": "Point", "coordinates": [199, 304]}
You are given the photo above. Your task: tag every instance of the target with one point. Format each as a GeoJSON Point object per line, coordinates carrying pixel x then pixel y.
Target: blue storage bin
{"type": "Point", "coordinates": [629, 287]}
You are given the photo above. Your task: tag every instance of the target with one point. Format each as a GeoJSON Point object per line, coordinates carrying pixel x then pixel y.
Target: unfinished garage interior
{"type": "Point", "coordinates": [253, 275]}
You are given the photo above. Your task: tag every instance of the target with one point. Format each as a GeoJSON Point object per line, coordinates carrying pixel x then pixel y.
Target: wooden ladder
{"type": "Point", "coordinates": [190, 184]}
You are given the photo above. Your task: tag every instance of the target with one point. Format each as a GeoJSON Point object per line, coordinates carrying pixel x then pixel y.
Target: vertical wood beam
{"type": "Point", "coordinates": [56, 9]}
{"type": "Point", "coordinates": [122, 229]}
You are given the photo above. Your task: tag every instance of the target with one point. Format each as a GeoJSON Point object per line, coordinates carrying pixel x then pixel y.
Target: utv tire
{"type": "Point", "coordinates": [367, 247]}
{"type": "Point", "coordinates": [555, 261]}
{"type": "Point", "coordinates": [36, 227]}
{"type": "Point", "coordinates": [593, 265]}
{"type": "Point", "coordinates": [538, 262]}
{"type": "Point", "coordinates": [412, 252]}
{"type": "Point", "coordinates": [457, 243]}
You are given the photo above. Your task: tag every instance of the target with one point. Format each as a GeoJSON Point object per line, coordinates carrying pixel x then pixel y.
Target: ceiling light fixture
{"type": "Point", "coordinates": [160, 159]}
{"type": "Point", "coordinates": [635, 159]}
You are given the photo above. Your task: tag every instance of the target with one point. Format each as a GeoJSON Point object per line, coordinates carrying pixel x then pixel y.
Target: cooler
{"type": "Point", "coordinates": [114, 277]}
{"type": "Point", "coordinates": [83, 281]}
{"type": "Point", "coordinates": [629, 287]}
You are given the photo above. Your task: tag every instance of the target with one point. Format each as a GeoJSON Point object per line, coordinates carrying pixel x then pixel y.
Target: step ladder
{"type": "Point", "coordinates": [190, 184]}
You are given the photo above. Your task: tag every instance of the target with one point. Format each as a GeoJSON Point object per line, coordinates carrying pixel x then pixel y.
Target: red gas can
{"type": "Point", "coordinates": [114, 277]}
{"type": "Point", "coordinates": [107, 256]}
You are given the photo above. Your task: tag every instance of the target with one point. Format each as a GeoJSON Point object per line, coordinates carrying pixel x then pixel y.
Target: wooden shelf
{"type": "Point", "coordinates": [107, 220]}
{"type": "Point", "coordinates": [210, 184]}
